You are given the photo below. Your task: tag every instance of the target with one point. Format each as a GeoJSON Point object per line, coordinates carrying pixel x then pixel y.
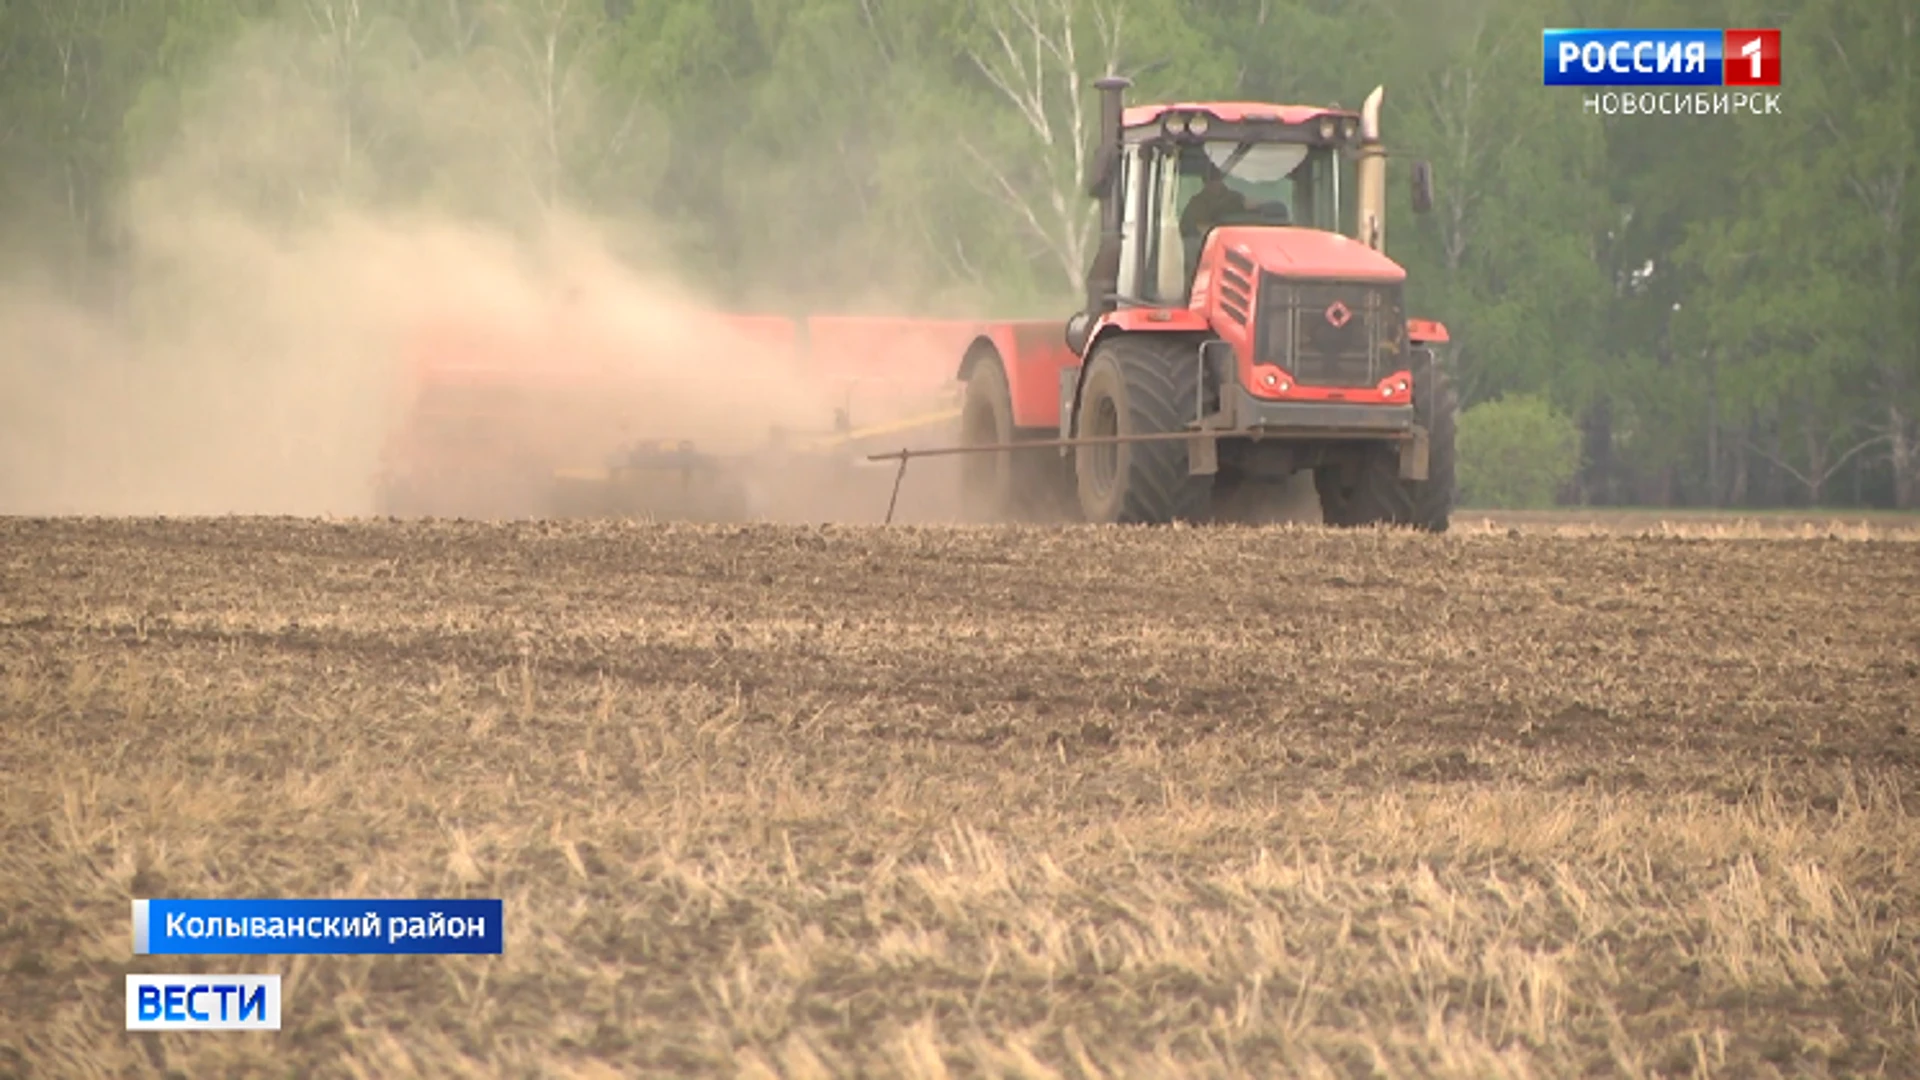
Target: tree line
{"type": "Point", "coordinates": [1725, 308]}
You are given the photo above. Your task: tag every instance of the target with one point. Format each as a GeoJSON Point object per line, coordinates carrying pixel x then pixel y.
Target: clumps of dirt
{"type": "Point", "coordinates": [850, 800]}
{"type": "Point", "coordinates": [1452, 767]}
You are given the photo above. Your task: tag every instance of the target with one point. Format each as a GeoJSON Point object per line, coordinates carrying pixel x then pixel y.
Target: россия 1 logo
{"type": "Point", "coordinates": [1706, 60]}
{"type": "Point", "coordinates": [1752, 58]}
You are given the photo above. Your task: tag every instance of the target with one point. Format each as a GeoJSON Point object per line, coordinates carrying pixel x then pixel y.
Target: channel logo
{"type": "Point", "coordinates": [203, 1003]}
{"type": "Point", "coordinates": [1660, 57]}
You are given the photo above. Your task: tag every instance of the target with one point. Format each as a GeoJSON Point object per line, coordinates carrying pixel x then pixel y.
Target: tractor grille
{"type": "Point", "coordinates": [1331, 333]}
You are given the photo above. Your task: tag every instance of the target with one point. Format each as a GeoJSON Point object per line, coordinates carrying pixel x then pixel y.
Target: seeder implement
{"type": "Point", "coordinates": [788, 477]}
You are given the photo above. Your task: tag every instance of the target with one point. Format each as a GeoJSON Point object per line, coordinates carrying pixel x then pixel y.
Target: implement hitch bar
{"type": "Point", "coordinates": [1203, 436]}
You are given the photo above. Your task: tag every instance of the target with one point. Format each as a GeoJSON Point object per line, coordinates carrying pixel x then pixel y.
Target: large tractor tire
{"type": "Point", "coordinates": [1140, 384]}
{"type": "Point", "coordinates": [1372, 493]}
{"type": "Point", "coordinates": [1015, 486]}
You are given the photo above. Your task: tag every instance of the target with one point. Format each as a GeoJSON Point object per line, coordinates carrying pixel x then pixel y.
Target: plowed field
{"type": "Point", "coordinates": [920, 801]}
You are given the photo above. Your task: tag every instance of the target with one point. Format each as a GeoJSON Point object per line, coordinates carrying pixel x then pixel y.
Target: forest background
{"type": "Point", "coordinates": [1661, 310]}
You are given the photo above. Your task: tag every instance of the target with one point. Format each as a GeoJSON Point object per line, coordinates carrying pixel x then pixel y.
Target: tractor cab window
{"type": "Point", "coordinates": [1244, 184]}
{"type": "Point", "coordinates": [1182, 194]}
{"type": "Point", "coordinates": [1164, 276]}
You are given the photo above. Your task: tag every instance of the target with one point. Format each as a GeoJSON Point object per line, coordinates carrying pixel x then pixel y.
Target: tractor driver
{"type": "Point", "coordinates": [1214, 202]}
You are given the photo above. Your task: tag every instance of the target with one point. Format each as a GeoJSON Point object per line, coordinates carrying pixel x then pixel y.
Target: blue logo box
{"type": "Point", "coordinates": [203, 1003]}
{"type": "Point", "coordinates": [333, 927]}
{"type": "Point", "coordinates": [1632, 57]}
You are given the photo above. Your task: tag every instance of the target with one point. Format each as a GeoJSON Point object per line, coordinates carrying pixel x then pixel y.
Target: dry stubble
{"type": "Point", "coordinates": [787, 801]}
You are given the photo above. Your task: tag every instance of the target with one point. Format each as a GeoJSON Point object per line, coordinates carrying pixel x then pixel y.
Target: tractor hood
{"type": "Point", "coordinates": [1306, 253]}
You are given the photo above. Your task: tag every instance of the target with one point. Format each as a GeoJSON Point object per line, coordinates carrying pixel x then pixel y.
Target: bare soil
{"type": "Point", "coordinates": [807, 801]}
{"type": "Point", "coordinates": [1700, 523]}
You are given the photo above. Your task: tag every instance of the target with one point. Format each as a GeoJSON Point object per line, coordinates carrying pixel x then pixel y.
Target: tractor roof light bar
{"type": "Point", "coordinates": [1176, 128]}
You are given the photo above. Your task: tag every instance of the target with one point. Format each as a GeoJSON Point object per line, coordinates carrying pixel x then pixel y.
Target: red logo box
{"type": "Point", "coordinates": [1750, 58]}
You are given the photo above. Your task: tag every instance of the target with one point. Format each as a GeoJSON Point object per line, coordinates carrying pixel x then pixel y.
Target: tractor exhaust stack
{"type": "Point", "coordinates": [1103, 277]}
{"type": "Point", "coordinates": [1371, 174]}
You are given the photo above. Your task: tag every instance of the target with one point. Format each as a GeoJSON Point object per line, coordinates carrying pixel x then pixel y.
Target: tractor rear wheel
{"type": "Point", "coordinates": [1015, 486]}
{"type": "Point", "coordinates": [1372, 492]}
{"type": "Point", "coordinates": [1140, 384]}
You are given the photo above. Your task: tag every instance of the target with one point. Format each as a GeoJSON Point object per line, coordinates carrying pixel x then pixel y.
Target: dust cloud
{"type": "Point", "coordinates": [292, 311]}
{"type": "Point", "coordinates": [265, 337]}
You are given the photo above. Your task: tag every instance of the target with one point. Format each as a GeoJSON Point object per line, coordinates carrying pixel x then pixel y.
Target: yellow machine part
{"type": "Point", "coordinates": [842, 438]}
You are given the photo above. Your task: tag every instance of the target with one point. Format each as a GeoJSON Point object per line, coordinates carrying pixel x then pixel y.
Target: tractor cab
{"type": "Point", "coordinates": [1185, 170]}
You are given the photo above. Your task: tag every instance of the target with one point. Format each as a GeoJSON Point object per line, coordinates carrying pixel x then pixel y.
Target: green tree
{"type": "Point", "coordinates": [1516, 452]}
{"type": "Point", "coordinates": [1806, 302]}
{"type": "Point", "coordinates": [1724, 304]}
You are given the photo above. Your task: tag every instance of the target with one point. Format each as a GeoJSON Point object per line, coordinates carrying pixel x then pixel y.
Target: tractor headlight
{"type": "Point", "coordinates": [1348, 128]}
{"type": "Point", "coordinates": [1170, 125]}
{"type": "Point", "coordinates": [1197, 124]}
{"type": "Point", "coordinates": [1326, 128]}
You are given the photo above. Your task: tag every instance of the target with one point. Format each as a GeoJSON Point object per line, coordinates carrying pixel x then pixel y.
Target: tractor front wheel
{"type": "Point", "coordinates": [1371, 492]}
{"type": "Point", "coordinates": [1140, 384]}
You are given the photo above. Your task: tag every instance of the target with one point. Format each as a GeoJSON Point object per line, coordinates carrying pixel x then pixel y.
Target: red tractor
{"type": "Point", "coordinates": [1233, 336]}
